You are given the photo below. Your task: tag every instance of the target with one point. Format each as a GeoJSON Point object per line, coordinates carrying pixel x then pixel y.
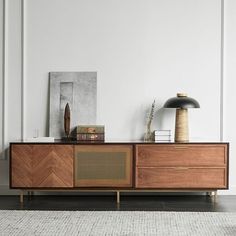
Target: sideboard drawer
{"type": "Point", "coordinates": [181, 178]}
{"type": "Point", "coordinates": [181, 155]}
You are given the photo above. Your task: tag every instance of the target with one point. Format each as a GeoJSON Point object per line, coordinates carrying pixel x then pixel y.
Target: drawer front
{"type": "Point", "coordinates": [181, 155]}
{"type": "Point", "coordinates": [103, 166]}
{"type": "Point", "coordinates": [182, 178]}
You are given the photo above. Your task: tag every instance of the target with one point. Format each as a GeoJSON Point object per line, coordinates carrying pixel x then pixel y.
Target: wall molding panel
{"type": "Point", "coordinates": [222, 72]}
{"type": "Point", "coordinates": [2, 72]}
{"type": "Point", "coordinates": [4, 80]}
{"type": "Point", "coordinates": [12, 74]}
{"type": "Point", "coordinates": [22, 69]}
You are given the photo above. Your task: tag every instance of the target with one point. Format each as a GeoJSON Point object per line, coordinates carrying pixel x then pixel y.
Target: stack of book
{"type": "Point", "coordinates": [90, 133]}
{"type": "Point", "coordinates": [162, 135]}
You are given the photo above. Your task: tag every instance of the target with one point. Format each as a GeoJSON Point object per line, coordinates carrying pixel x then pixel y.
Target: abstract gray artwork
{"type": "Point", "coordinates": [79, 89]}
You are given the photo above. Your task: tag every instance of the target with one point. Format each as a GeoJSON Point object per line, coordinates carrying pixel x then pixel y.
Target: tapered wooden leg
{"type": "Point", "coordinates": [118, 197]}
{"type": "Point", "coordinates": [21, 196]}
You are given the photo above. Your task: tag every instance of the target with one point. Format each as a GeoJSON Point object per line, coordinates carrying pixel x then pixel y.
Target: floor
{"type": "Point", "coordinates": [127, 203]}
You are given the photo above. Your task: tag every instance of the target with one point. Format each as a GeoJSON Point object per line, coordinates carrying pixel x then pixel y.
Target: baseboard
{"type": "Point", "coordinates": [230, 191]}
{"type": "Point", "coordinates": [4, 190]}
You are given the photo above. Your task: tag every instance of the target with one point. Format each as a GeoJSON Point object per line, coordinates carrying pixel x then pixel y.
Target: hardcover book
{"type": "Point", "coordinates": [90, 137]}
{"type": "Point", "coordinates": [91, 129]}
{"type": "Point", "coordinates": [161, 132]}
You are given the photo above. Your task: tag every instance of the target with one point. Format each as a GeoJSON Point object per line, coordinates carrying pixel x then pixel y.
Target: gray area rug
{"type": "Point", "coordinates": [116, 223]}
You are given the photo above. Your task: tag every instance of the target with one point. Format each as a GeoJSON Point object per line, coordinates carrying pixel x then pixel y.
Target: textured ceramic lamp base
{"type": "Point", "coordinates": [181, 126]}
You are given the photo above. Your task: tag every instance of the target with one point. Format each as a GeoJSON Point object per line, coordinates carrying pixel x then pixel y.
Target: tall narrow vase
{"type": "Point", "coordinates": [148, 135]}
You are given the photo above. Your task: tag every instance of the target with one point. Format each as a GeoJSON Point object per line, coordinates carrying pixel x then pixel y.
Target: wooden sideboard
{"type": "Point", "coordinates": [119, 167]}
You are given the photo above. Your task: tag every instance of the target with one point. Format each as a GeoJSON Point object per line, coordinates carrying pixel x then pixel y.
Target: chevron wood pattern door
{"type": "Point", "coordinates": [21, 165]}
{"type": "Point", "coordinates": [42, 166]}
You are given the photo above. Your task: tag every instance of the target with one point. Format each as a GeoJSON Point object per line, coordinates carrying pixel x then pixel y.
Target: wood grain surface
{"type": "Point", "coordinates": [180, 178]}
{"type": "Point", "coordinates": [42, 166]}
{"type": "Point", "coordinates": [181, 155]}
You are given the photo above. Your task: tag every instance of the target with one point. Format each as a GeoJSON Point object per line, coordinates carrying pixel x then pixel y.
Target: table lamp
{"type": "Point", "coordinates": [181, 103]}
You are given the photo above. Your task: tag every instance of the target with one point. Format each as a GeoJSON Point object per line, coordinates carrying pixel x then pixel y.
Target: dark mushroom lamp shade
{"type": "Point", "coordinates": [181, 103]}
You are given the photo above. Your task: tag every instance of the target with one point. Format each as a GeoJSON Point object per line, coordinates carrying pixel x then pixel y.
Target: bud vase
{"type": "Point", "coordinates": [148, 135]}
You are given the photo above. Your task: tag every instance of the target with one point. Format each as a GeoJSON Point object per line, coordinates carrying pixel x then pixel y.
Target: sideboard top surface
{"type": "Point", "coordinates": [58, 141]}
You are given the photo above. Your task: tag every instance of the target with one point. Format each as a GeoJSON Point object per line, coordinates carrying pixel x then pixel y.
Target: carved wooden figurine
{"type": "Point", "coordinates": [67, 120]}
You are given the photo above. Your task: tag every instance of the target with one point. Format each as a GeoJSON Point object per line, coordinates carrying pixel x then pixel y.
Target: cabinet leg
{"type": "Point", "coordinates": [215, 196]}
{"type": "Point", "coordinates": [21, 196]}
{"type": "Point", "coordinates": [30, 194]}
{"type": "Point", "coordinates": [118, 196]}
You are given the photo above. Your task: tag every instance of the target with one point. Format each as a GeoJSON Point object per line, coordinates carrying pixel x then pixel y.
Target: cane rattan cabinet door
{"type": "Point", "coordinates": [103, 165]}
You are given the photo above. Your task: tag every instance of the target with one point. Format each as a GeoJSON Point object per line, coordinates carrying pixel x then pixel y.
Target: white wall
{"type": "Point", "coordinates": [141, 49]}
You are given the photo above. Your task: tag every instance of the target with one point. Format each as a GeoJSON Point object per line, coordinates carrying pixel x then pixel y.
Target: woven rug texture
{"type": "Point", "coordinates": [116, 223]}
